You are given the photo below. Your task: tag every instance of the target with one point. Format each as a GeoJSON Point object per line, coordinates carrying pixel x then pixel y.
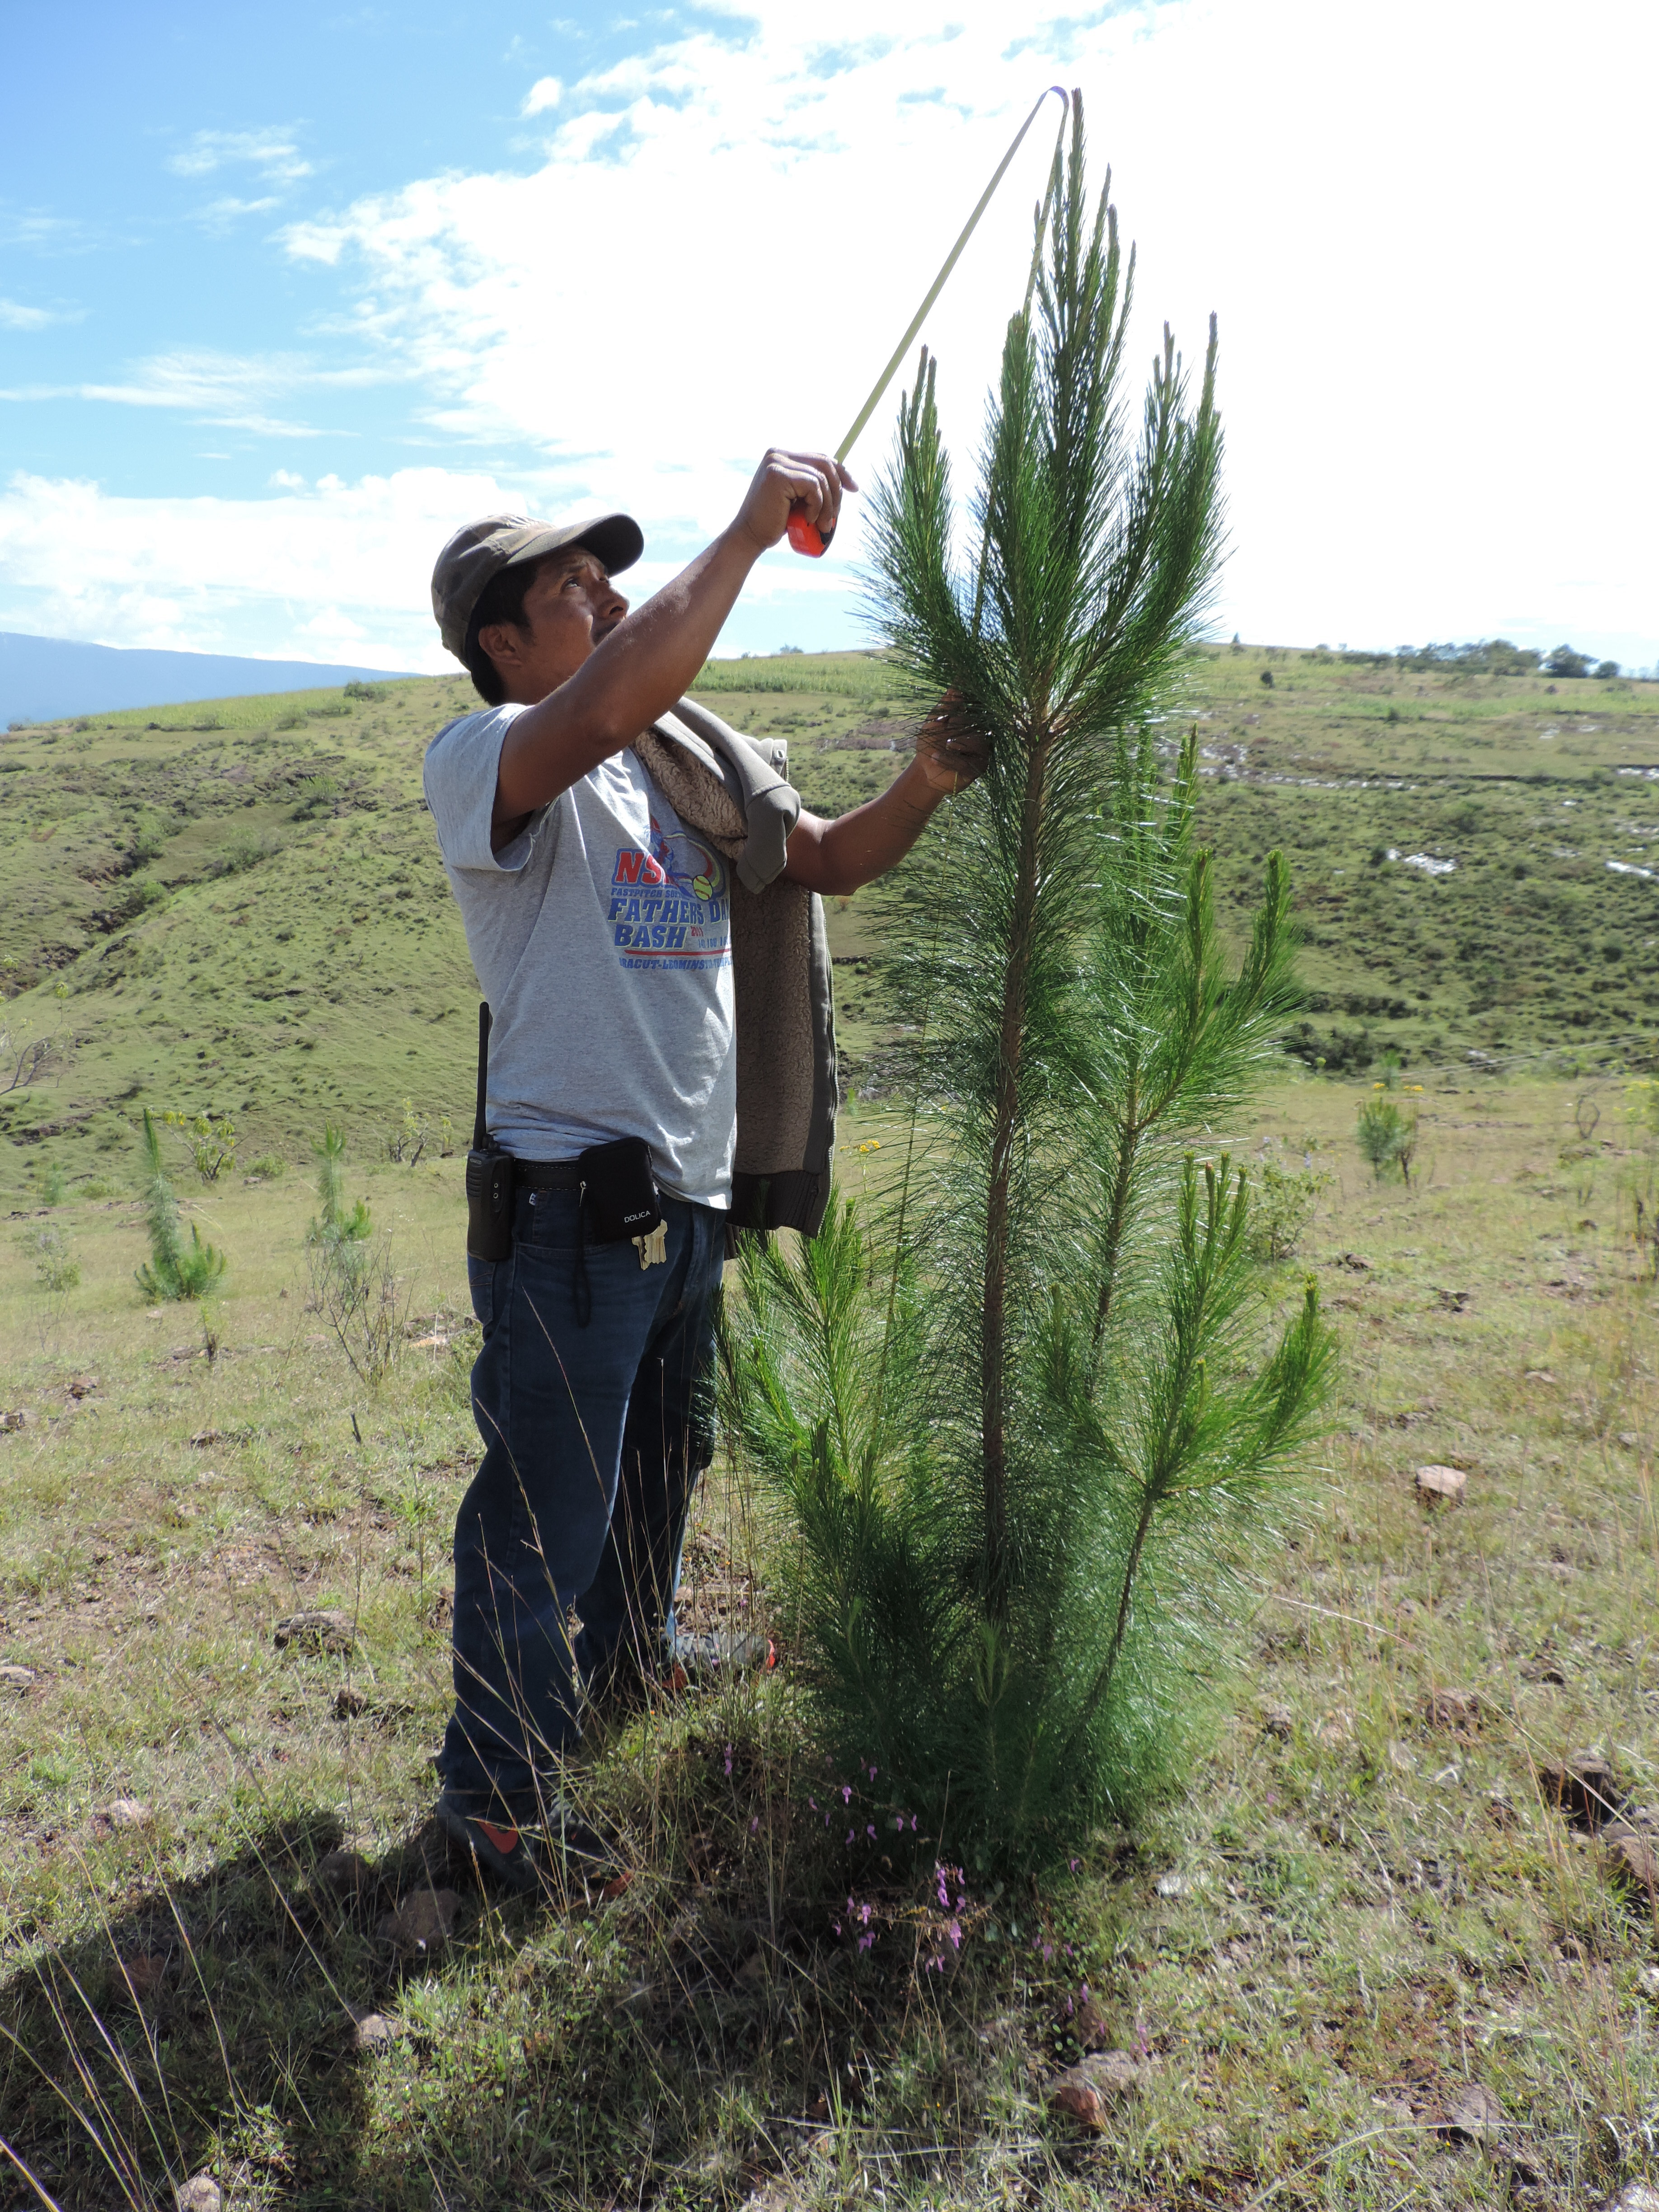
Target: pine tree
{"type": "Point", "coordinates": [1022, 1424]}
{"type": "Point", "coordinates": [174, 1269]}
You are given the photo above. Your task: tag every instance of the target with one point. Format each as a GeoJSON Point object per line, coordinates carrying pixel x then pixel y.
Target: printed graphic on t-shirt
{"type": "Point", "coordinates": [670, 906]}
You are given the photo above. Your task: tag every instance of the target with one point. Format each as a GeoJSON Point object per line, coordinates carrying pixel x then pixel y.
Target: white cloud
{"type": "Point", "coordinates": [1430, 345]}
{"type": "Point", "coordinates": [228, 389]}
{"type": "Point", "coordinates": [273, 152]}
{"type": "Point", "coordinates": [226, 209]}
{"type": "Point", "coordinates": [546, 94]}
{"type": "Point", "coordinates": [1418, 327]}
{"type": "Point", "coordinates": [268, 575]}
{"type": "Point", "coordinates": [14, 316]}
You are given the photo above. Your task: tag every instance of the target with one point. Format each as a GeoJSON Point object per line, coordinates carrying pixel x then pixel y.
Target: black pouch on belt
{"type": "Point", "coordinates": [619, 1199]}
{"type": "Point", "coordinates": [489, 1174]}
{"type": "Point", "coordinates": [619, 1191]}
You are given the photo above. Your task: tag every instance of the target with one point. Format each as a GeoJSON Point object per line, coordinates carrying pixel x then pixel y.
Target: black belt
{"type": "Point", "coordinates": [547, 1175]}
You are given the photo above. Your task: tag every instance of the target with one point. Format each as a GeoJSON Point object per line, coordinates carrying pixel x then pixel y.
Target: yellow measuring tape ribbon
{"type": "Point", "coordinates": [802, 532]}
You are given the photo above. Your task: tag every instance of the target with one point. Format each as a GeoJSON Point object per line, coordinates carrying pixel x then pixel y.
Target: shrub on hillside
{"type": "Point", "coordinates": [55, 1269]}
{"type": "Point", "coordinates": [211, 1139]}
{"type": "Point", "coordinates": [1335, 1051]}
{"type": "Point", "coordinates": [317, 795]}
{"type": "Point", "coordinates": [1281, 1208]}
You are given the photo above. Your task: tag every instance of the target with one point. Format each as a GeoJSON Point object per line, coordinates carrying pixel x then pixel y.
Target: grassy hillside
{"type": "Point", "coordinates": [238, 906]}
{"type": "Point", "coordinates": [1365, 1908]}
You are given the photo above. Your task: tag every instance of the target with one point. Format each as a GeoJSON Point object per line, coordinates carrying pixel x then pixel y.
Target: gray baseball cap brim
{"type": "Point", "coordinates": [478, 553]}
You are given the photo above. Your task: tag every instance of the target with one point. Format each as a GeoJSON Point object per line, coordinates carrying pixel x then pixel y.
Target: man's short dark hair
{"type": "Point", "coordinates": [501, 600]}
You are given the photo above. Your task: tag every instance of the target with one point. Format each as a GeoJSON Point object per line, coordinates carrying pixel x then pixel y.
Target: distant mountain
{"type": "Point", "coordinates": [43, 679]}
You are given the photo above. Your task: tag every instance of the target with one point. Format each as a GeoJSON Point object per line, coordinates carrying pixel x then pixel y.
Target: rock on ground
{"type": "Point", "coordinates": [1476, 2116]}
{"type": "Point", "coordinates": [1583, 1786]}
{"type": "Point", "coordinates": [423, 1922]}
{"type": "Point", "coordinates": [126, 1813]}
{"type": "Point", "coordinates": [1088, 2091]}
{"type": "Point", "coordinates": [1631, 1856]}
{"type": "Point", "coordinates": [201, 2193]}
{"type": "Point", "coordinates": [315, 1631]}
{"type": "Point", "coordinates": [372, 2033]}
{"type": "Point", "coordinates": [1447, 1482]}
{"type": "Point", "coordinates": [344, 1872]}
{"type": "Point", "coordinates": [1454, 1709]}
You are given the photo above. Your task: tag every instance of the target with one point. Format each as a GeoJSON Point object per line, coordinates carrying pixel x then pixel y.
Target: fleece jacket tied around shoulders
{"type": "Point", "coordinates": [787, 1084]}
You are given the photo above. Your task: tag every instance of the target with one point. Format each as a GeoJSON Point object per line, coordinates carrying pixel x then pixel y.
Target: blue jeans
{"type": "Point", "coordinates": [594, 1438]}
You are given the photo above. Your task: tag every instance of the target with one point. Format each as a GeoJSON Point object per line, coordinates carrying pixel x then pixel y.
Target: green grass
{"type": "Point", "coordinates": [1369, 1910]}
{"type": "Point", "coordinates": [190, 923]}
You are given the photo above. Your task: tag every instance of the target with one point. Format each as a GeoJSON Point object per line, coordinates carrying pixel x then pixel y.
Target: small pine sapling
{"type": "Point", "coordinates": [1387, 1137]}
{"type": "Point", "coordinates": [336, 1225]}
{"type": "Point", "coordinates": [353, 1283]}
{"type": "Point", "coordinates": [1023, 1425]}
{"type": "Point", "coordinates": [175, 1269]}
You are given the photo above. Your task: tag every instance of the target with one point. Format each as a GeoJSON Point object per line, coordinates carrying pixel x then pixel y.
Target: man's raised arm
{"type": "Point", "coordinates": [599, 679]}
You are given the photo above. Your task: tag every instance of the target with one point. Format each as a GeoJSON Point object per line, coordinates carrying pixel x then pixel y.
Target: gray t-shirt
{"type": "Point", "coordinates": [601, 936]}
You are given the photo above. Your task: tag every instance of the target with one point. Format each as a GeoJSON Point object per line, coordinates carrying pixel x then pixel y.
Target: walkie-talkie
{"type": "Point", "coordinates": [489, 1172]}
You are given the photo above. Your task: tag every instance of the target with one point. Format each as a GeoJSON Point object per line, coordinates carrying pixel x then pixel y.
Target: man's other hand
{"type": "Point", "coordinates": [950, 753]}
{"type": "Point", "coordinates": [816, 479]}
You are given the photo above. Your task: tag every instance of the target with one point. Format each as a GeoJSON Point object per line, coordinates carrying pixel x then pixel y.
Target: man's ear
{"type": "Point", "coordinates": [503, 642]}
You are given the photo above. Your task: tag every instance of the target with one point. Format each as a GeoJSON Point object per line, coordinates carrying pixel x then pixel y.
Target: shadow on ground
{"type": "Point", "coordinates": [223, 2023]}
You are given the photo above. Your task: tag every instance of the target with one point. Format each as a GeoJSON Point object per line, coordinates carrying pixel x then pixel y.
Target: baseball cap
{"type": "Point", "coordinates": [484, 548]}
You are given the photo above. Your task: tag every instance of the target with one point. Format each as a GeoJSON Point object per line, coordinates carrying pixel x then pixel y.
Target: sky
{"type": "Point", "coordinates": [287, 294]}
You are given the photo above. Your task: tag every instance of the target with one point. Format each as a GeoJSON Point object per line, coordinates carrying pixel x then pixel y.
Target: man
{"type": "Point", "coordinates": [640, 889]}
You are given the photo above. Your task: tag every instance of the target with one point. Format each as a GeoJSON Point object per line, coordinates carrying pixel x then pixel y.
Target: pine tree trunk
{"type": "Point", "coordinates": [994, 1334]}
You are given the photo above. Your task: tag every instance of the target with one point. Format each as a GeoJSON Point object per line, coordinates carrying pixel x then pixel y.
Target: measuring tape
{"type": "Point", "coordinates": [805, 535]}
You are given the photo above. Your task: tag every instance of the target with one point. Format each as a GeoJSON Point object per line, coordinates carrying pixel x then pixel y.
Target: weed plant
{"type": "Point", "coordinates": [1281, 1208]}
{"type": "Point", "coordinates": [1020, 1426]}
{"type": "Point", "coordinates": [355, 1287]}
{"type": "Point", "coordinates": [174, 1269]}
{"type": "Point", "coordinates": [55, 1269]}
{"type": "Point", "coordinates": [211, 1139]}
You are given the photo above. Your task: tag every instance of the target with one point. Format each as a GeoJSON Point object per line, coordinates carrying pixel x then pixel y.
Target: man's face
{"type": "Point", "coordinates": [568, 609]}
